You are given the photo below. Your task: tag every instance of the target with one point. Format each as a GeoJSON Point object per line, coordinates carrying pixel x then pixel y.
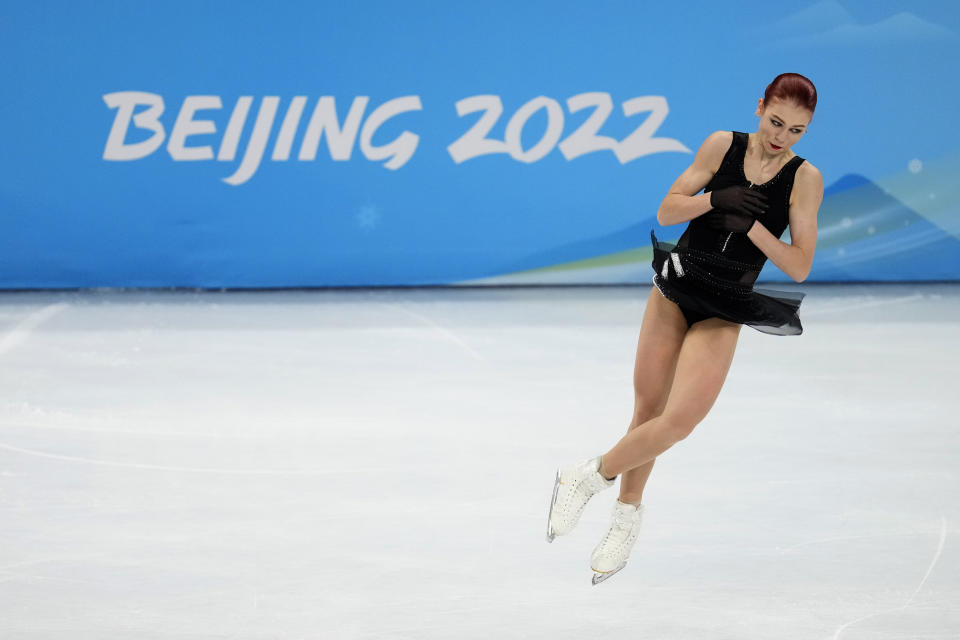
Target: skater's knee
{"type": "Point", "coordinates": [644, 409]}
{"type": "Point", "coordinates": [677, 427]}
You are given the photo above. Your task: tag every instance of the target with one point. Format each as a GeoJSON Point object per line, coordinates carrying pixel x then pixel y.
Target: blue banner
{"type": "Point", "coordinates": [242, 144]}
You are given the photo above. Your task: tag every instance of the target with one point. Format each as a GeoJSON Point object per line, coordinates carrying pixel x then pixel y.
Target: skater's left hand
{"type": "Point", "coordinates": [730, 221]}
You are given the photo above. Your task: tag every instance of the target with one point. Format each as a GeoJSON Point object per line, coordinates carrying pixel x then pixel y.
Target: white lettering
{"type": "Point", "coordinates": [585, 139]}
{"type": "Point", "coordinates": [125, 102]}
{"type": "Point", "coordinates": [228, 147]}
{"type": "Point", "coordinates": [324, 122]}
{"type": "Point", "coordinates": [475, 142]}
{"type": "Point", "coordinates": [281, 150]}
{"type": "Point", "coordinates": [258, 141]}
{"type": "Point", "coordinates": [641, 142]}
{"type": "Point", "coordinates": [186, 126]}
{"type": "Point", "coordinates": [550, 136]}
{"type": "Point", "coordinates": [324, 118]}
{"type": "Point", "coordinates": [401, 149]}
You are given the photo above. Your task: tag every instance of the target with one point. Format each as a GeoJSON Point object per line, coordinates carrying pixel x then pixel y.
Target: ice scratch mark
{"type": "Point", "coordinates": [32, 578]}
{"type": "Point", "coordinates": [864, 305]}
{"type": "Point", "coordinates": [145, 433]}
{"type": "Point", "coordinates": [25, 327]}
{"type": "Point", "coordinates": [71, 558]}
{"type": "Point", "coordinates": [936, 557]}
{"type": "Point", "coordinates": [446, 333]}
{"type": "Point", "coordinates": [849, 538]}
{"type": "Point", "coordinates": [160, 467]}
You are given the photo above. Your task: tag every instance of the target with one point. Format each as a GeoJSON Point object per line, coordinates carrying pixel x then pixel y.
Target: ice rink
{"type": "Point", "coordinates": [367, 464]}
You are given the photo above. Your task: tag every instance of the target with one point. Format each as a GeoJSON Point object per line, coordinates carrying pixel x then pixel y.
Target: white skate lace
{"type": "Point", "coordinates": [584, 493]}
{"type": "Point", "coordinates": [573, 506]}
{"type": "Point", "coordinates": [618, 534]}
{"type": "Point", "coordinates": [581, 489]}
{"type": "Point", "coordinates": [582, 486]}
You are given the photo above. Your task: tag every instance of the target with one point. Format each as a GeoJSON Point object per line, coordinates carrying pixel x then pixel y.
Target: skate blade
{"type": "Point", "coordinates": [556, 487]}
{"type": "Point", "coordinates": [600, 577]}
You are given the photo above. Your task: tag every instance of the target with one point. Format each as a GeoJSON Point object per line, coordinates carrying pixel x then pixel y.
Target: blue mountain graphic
{"type": "Point", "coordinates": [865, 234]}
{"type": "Point", "coordinates": [849, 181]}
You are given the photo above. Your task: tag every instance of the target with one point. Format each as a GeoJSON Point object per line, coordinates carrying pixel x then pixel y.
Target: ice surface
{"type": "Point", "coordinates": [378, 464]}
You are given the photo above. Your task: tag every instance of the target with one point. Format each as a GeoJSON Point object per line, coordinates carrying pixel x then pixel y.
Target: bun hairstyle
{"type": "Point", "coordinates": [792, 87]}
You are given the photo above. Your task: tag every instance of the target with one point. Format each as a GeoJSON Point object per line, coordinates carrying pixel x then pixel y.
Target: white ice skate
{"type": "Point", "coordinates": [613, 551]}
{"type": "Point", "coordinates": [572, 488]}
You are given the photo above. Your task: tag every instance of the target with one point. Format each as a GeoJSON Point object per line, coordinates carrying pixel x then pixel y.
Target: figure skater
{"type": "Point", "coordinates": [753, 186]}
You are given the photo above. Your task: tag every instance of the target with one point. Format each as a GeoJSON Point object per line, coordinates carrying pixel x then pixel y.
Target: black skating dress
{"type": "Point", "coordinates": [710, 272]}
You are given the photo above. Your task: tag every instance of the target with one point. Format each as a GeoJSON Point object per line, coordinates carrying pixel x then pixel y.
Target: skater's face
{"type": "Point", "coordinates": [782, 123]}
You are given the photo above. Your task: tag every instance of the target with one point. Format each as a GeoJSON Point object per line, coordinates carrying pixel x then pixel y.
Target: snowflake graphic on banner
{"type": "Point", "coordinates": [368, 216]}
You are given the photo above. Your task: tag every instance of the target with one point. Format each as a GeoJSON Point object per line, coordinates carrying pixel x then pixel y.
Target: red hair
{"type": "Point", "coordinates": [792, 87]}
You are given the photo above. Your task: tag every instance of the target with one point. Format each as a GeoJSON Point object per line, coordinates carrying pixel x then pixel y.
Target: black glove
{"type": "Point", "coordinates": [739, 199]}
{"type": "Point", "coordinates": [729, 221]}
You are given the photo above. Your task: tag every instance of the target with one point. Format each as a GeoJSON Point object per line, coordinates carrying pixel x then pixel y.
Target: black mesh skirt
{"type": "Point", "coordinates": [711, 284]}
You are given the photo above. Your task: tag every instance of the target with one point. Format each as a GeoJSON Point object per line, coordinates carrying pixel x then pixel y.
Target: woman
{"type": "Point", "coordinates": [754, 186]}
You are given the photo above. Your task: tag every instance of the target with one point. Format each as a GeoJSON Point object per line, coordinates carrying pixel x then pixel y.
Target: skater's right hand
{"type": "Point", "coordinates": [730, 221]}
{"type": "Point", "coordinates": [739, 199]}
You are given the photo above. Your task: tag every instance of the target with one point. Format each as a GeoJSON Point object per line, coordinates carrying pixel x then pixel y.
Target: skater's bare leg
{"type": "Point", "coordinates": [705, 358]}
{"type": "Point", "coordinates": [658, 347]}
{"type": "Point", "coordinates": [633, 482]}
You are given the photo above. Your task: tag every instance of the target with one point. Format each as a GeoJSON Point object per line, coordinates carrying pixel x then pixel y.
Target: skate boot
{"type": "Point", "coordinates": [572, 488]}
{"type": "Point", "coordinates": [613, 551]}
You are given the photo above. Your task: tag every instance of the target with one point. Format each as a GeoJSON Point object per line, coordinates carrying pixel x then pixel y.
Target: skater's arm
{"type": "Point", "coordinates": [796, 258]}
{"type": "Point", "coordinates": [681, 204]}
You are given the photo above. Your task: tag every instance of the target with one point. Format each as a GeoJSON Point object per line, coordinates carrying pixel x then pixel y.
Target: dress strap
{"type": "Point", "coordinates": [733, 158]}
{"type": "Point", "coordinates": [795, 161]}
{"type": "Point", "coordinates": [740, 140]}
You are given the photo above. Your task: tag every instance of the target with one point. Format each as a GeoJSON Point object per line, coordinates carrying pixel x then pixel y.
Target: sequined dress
{"type": "Point", "coordinates": [710, 272]}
